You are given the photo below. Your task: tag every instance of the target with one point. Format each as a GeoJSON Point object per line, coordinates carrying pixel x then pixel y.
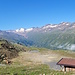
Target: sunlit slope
{"type": "Point", "coordinates": [54, 39]}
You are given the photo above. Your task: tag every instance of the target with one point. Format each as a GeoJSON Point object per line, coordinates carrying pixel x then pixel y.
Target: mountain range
{"type": "Point", "coordinates": [53, 36]}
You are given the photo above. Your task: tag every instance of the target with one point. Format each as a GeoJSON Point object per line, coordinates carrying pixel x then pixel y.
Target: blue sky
{"type": "Point", "coordinates": [16, 14]}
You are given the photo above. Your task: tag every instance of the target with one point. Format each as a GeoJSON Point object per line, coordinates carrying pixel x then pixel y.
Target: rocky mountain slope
{"type": "Point", "coordinates": [9, 50]}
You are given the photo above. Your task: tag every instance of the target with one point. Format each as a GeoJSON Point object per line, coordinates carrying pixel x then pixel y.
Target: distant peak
{"type": "Point", "coordinates": [20, 30]}
{"type": "Point", "coordinates": [49, 26]}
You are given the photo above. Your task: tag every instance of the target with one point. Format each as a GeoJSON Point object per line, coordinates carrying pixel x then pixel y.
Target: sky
{"type": "Point", "coordinates": [15, 14]}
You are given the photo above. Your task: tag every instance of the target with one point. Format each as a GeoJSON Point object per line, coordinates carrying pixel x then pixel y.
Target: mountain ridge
{"type": "Point", "coordinates": [54, 36]}
{"type": "Point", "coordinates": [48, 27]}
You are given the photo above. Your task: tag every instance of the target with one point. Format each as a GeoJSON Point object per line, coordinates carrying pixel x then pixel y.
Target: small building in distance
{"type": "Point", "coordinates": [67, 64]}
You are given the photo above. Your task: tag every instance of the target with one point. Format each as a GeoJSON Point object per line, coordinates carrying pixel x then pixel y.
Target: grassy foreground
{"type": "Point", "coordinates": [29, 70]}
{"type": "Point", "coordinates": [18, 68]}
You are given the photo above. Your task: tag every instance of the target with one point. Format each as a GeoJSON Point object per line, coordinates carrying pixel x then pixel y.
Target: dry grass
{"type": "Point", "coordinates": [29, 58]}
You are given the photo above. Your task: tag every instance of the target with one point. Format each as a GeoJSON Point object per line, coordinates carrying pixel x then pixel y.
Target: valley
{"type": "Point", "coordinates": [51, 36]}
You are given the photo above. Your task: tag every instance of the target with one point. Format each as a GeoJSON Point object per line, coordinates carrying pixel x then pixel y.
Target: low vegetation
{"type": "Point", "coordinates": [30, 70]}
{"type": "Point", "coordinates": [30, 61]}
{"type": "Point", "coordinates": [9, 50]}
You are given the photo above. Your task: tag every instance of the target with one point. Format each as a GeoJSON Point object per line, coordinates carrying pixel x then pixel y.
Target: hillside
{"type": "Point", "coordinates": [15, 38]}
{"type": "Point", "coordinates": [54, 39]}
{"type": "Point", "coordinates": [37, 61]}
{"type": "Point", "coordinates": [9, 50]}
{"type": "Point", "coordinates": [32, 60]}
{"type": "Point", "coordinates": [56, 36]}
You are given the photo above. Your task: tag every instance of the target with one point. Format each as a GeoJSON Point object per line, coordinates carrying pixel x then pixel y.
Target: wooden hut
{"type": "Point", "coordinates": [67, 64]}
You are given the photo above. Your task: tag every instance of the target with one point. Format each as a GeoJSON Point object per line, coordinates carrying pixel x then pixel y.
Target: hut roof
{"type": "Point", "coordinates": [66, 62]}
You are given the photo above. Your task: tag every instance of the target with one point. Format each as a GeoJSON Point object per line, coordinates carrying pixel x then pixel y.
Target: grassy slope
{"type": "Point", "coordinates": [65, 53]}
{"type": "Point", "coordinates": [9, 51]}
{"type": "Point", "coordinates": [54, 39]}
{"type": "Point", "coordinates": [30, 70]}
{"type": "Point", "coordinates": [17, 68]}
{"type": "Point", "coordinates": [34, 69]}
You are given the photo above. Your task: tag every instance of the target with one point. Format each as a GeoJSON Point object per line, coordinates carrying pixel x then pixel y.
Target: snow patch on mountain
{"type": "Point", "coordinates": [49, 26]}
{"type": "Point", "coordinates": [20, 30]}
{"type": "Point", "coordinates": [28, 30]}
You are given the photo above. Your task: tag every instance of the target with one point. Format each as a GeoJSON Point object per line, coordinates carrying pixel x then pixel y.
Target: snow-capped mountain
{"type": "Point", "coordinates": [22, 30]}
{"type": "Point", "coordinates": [61, 26]}
{"type": "Point", "coordinates": [48, 27]}
{"type": "Point", "coordinates": [54, 36]}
